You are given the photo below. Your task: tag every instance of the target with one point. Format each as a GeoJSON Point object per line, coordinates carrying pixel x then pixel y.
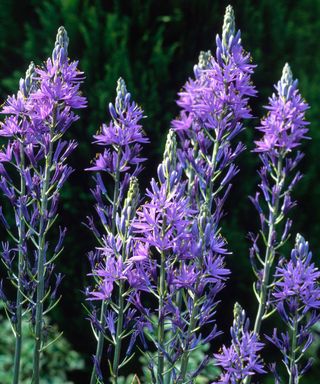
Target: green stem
{"type": "Point", "coordinates": [192, 323]}
{"type": "Point", "coordinates": [117, 351]}
{"type": "Point", "coordinates": [118, 339]}
{"type": "Point", "coordinates": [161, 321]}
{"type": "Point", "coordinates": [41, 257]}
{"type": "Point", "coordinates": [186, 353]}
{"type": "Point", "coordinates": [269, 255]}
{"type": "Point", "coordinates": [292, 355]}
{"type": "Point", "coordinates": [209, 194]}
{"type": "Point", "coordinates": [21, 229]}
{"type": "Point", "coordinates": [100, 343]}
{"type": "Point", "coordinates": [269, 258]}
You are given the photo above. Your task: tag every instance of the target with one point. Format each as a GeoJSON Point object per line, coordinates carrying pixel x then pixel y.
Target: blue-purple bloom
{"type": "Point", "coordinates": [121, 137]}
{"type": "Point", "coordinates": [213, 107]}
{"type": "Point", "coordinates": [36, 119]}
{"type": "Point", "coordinates": [177, 230]}
{"type": "Point", "coordinates": [283, 129]}
{"type": "Point", "coordinates": [296, 296]}
{"type": "Point", "coordinates": [113, 261]}
{"type": "Point", "coordinates": [241, 359]}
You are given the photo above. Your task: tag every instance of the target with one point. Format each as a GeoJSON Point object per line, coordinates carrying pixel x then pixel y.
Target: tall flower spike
{"type": "Point", "coordinates": [241, 359]}
{"type": "Point", "coordinates": [297, 298]}
{"type": "Point", "coordinates": [213, 107]}
{"type": "Point", "coordinates": [37, 117]}
{"type": "Point", "coordinates": [116, 202]}
{"type": "Point", "coordinates": [161, 230]}
{"type": "Point", "coordinates": [283, 129]}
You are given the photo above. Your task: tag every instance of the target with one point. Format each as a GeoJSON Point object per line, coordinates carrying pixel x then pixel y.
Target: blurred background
{"type": "Point", "coordinates": [153, 45]}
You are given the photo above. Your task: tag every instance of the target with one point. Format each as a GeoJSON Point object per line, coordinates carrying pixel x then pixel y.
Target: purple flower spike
{"type": "Point", "coordinates": [124, 133]}
{"type": "Point", "coordinates": [296, 296]}
{"type": "Point", "coordinates": [241, 359]}
{"type": "Point", "coordinates": [213, 106]}
{"type": "Point", "coordinates": [284, 127]}
{"type": "Point", "coordinates": [36, 119]}
{"type": "Point", "coordinates": [117, 272]}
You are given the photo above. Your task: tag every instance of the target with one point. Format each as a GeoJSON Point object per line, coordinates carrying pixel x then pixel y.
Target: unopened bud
{"type": "Point", "coordinates": [229, 27]}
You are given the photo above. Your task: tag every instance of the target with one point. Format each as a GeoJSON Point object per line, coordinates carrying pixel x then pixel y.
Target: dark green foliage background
{"type": "Point", "coordinates": [153, 45]}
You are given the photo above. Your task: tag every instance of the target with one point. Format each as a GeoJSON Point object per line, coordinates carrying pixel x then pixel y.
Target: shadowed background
{"type": "Point", "coordinates": [153, 45]}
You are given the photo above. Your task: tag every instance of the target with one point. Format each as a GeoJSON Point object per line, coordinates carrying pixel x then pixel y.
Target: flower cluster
{"type": "Point", "coordinates": [112, 262]}
{"type": "Point", "coordinates": [296, 296]}
{"type": "Point", "coordinates": [158, 265]}
{"type": "Point", "coordinates": [241, 359]}
{"type": "Point", "coordinates": [213, 107]}
{"type": "Point", "coordinates": [36, 119]}
{"type": "Point", "coordinates": [283, 129]}
{"type": "Point", "coordinates": [121, 137]}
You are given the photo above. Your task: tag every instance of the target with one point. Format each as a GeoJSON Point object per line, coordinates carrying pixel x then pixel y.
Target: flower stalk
{"type": "Point", "coordinates": [110, 263]}
{"type": "Point", "coordinates": [37, 117]}
{"type": "Point", "coordinates": [43, 227]}
{"type": "Point", "coordinates": [270, 248]}
{"type": "Point", "coordinates": [283, 132]}
{"type": "Point", "coordinates": [19, 298]}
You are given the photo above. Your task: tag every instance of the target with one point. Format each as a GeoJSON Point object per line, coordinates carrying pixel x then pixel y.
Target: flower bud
{"type": "Point", "coordinates": [228, 29]}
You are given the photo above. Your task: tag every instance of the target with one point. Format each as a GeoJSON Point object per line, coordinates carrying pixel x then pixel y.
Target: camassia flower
{"type": "Point", "coordinates": [241, 359]}
{"type": "Point", "coordinates": [213, 105]}
{"type": "Point", "coordinates": [283, 129]}
{"type": "Point", "coordinates": [116, 194]}
{"type": "Point", "coordinates": [296, 296]}
{"type": "Point", "coordinates": [122, 137]}
{"type": "Point", "coordinates": [36, 119]}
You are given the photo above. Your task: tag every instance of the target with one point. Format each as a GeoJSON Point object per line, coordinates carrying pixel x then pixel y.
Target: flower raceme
{"type": "Point", "coordinates": [123, 133]}
{"type": "Point", "coordinates": [241, 359]}
{"type": "Point", "coordinates": [36, 119]}
{"type": "Point", "coordinates": [285, 126]}
{"type": "Point", "coordinates": [283, 130]}
{"type": "Point", "coordinates": [296, 296]}
{"type": "Point", "coordinates": [213, 107]}
{"type": "Point", "coordinates": [112, 262]}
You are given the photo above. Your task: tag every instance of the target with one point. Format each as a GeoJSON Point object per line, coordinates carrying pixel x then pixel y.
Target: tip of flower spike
{"type": "Point", "coordinates": [204, 59]}
{"type": "Point", "coordinates": [121, 87]}
{"type": "Point", "coordinates": [302, 246]}
{"type": "Point", "coordinates": [171, 146]}
{"type": "Point", "coordinates": [299, 239]}
{"type": "Point", "coordinates": [286, 83]}
{"type": "Point", "coordinates": [133, 188]}
{"type": "Point", "coordinates": [60, 51]}
{"type": "Point", "coordinates": [238, 312]}
{"type": "Point", "coordinates": [25, 84]}
{"type": "Point", "coordinates": [123, 96]}
{"type": "Point", "coordinates": [229, 26]}
{"type": "Point", "coordinates": [130, 204]}
{"type": "Point", "coordinates": [287, 77]}
{"type": "Point", "coordinates": [62, 38]}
